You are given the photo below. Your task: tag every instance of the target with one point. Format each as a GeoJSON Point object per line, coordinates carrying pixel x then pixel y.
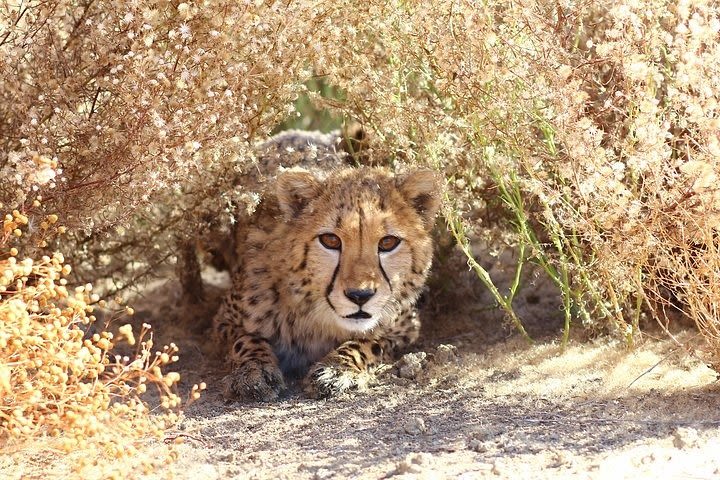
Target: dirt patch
{"type": "Point", "coordinates": [514, 412]}
{"type": "Point", "coordinates": [471, 401]}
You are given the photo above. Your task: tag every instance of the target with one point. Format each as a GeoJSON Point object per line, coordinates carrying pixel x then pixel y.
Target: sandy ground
{"type": "Point", "coordinates": [472, 400]}
{"type": "Point", "coordinates": [510, 412]}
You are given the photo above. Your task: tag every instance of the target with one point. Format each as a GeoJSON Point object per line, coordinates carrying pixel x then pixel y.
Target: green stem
{"type": "Point", "coordinates": [505, 303]}
{"type": "Point", "coordinates": [518, 271]}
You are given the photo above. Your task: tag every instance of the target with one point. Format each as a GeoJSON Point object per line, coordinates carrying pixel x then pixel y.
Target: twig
{"type": "Point", "coordinates": [171, 437]}
{"type": "Point", "coordinates": [652, 368]}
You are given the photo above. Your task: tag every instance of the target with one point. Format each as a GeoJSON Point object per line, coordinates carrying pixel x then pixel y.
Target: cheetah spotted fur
{"type": "Point", "coordinates": [327, 274]}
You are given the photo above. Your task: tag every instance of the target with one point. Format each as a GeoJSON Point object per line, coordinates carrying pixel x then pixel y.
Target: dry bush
{"type": "Point", "coordinates": [582, 133]}
{"type": "Point", "coordinates": [58, 380]}
{"type": "Point", "coordinates": [591, 128]}
{"type": "Point", "coordinates": [141, 116]}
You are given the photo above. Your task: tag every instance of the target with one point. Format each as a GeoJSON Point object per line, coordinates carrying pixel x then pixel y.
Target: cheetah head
{"type": "Point", "coordinates": [361, 240]}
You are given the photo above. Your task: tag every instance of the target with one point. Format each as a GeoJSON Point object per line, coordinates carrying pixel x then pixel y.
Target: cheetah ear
{"type": "Point", "coordinates": [294, 191]}
{"type": "Point", "coordinates": [422, 190]}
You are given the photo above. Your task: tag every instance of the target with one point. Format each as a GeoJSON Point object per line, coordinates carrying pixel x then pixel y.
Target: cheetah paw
{"type": "Point", "coordinates": [254, 381]}
{"type": "Point", "coordinates": [325, 381]}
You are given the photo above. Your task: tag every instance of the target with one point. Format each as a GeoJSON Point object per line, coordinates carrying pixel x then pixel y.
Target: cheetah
{"type": "Point", "coordinates": [328, 272]}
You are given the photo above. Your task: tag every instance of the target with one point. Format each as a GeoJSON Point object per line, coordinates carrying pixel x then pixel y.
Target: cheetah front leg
{"type": "Point", "coordinates": [255, 375]}
{"type": "Point", "coordinates": [351, 366]}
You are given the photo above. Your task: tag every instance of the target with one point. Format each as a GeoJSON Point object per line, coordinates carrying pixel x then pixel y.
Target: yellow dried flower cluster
{"type": "Point", "coordinates": [57, 380]}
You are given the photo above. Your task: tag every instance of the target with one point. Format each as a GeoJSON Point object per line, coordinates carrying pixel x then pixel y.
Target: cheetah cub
{"type": "Point", "coordinates": [330, 272]}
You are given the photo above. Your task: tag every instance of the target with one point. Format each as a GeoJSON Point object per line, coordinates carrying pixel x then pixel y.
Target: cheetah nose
{"type": "Point", "coordinates": [359, 296]}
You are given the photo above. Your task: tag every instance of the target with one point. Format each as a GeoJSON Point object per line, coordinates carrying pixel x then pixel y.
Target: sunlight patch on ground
{"type": "Point", "coordinates": [602, 369]}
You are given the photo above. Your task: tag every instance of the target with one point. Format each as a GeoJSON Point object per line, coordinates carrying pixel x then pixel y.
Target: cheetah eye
{"type": "Point", "coordinates": [330, 241]}
{"type": "Point", "coordinates": [388, 243]}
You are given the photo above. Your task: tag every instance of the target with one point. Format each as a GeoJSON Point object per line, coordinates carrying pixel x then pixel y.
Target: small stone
{"type": "Point", "coordinates": [486, 433]}
{"type": "Point", "coordinates": [477, 445]}
{"type": "Point", "coordinates": [476, 473]}
{"type": "Point", "coordinates": [445, 354]}
{"type": "Point", "coordinates": [415, 426]}
{"type": "Point", "coordinates": [559, 458]}
{"type": "Point", "coordinates": [228, 457]}
{"type": "Point", "coordinates": [322, 474]}
{"type": "Point", "coordinates": [411, 364]}
{"type": "Point", "coordinates": [414, 463]}
{"type": "Point", "coordinates": [685, 437]}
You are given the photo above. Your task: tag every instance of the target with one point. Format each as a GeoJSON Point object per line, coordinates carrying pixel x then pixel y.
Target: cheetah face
{"type": "Point", "coordinates": [368, 259]}
{"type": "Point", "coordinates": [366, 242]}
